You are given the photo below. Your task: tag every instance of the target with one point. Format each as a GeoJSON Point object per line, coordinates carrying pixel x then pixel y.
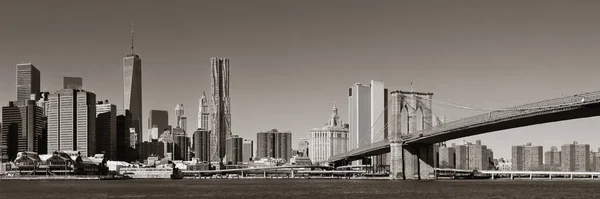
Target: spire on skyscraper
{"type": "Point", "coordinates": [132, 35]}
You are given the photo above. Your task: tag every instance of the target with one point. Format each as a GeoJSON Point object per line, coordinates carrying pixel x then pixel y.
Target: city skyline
{"type": "Point", "coordinates": [490, 61]}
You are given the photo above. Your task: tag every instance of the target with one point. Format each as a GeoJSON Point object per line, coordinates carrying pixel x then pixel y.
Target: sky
{"type": "Point", "coordinates": [290, 61]}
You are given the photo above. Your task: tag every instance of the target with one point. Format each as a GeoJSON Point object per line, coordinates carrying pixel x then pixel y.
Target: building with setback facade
{"type": "Point", "coordinates": [106, 129]}
{"type": "Point", "coordinates": [22, 127]}
{"type": "Point", "coordinates": [329, 140]}
{"type": "Point", "coordinates": [202, 138]}
{"type": "Point", "coordinates": [203, 113]}
{"type": "Point", "coordinates": [221, 108]}
{"type": "Point", "coordinates": [72, 121]}
{"type": "Point", "coordinates": [234, 147]}
{"type": "Point", "coordinates": [274, 144]}
{"type": "Point", "coordinates": [132, 90]}
{"type": "Point", "coordinates": [28, 81]}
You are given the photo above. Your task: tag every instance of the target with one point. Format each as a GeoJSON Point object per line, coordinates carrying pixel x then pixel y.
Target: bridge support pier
{"type": "Point", "coordinates": [413, 162]}
{"type": "Point", "coordinates": [396, 161]}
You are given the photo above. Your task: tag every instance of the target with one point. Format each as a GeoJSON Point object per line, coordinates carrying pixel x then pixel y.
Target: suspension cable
{"type": "Point", "coordinates": [503, 109]}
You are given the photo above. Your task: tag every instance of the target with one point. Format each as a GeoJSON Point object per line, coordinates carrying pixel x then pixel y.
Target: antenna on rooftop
{"type": "Point", "coordinates": [132, 35]}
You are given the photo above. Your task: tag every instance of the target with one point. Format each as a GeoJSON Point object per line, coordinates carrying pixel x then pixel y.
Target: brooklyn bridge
{"type": "Point", "coordinates": [413, 152]}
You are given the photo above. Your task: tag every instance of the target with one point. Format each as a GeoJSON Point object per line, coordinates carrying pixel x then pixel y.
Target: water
{"type": "Point", "coordinates": [300, 188]}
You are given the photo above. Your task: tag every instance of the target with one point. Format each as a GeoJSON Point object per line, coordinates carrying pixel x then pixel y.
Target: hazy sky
{"type": "Point", "coordinates": [290, 60]}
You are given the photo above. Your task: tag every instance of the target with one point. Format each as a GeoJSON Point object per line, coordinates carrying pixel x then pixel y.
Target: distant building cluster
{"type": "Point", "coordinates": [467, 156]}
{"type": "Point", "coordinates": [572, 157]}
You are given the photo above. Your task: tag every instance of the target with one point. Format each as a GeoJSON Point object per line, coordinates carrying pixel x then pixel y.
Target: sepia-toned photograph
{"type": "Point", "coordinates": [299, 99]}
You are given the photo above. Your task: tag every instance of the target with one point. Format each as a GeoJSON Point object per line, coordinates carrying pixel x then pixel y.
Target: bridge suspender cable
{"type": "Point", "coordinates": [368, 134]}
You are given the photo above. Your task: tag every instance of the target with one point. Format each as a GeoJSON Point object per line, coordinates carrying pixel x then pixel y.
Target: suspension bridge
{"type": "Point", "coordinates": [412, 151]}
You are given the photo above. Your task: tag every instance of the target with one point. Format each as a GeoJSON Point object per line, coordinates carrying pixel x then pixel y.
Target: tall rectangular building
{"type": "Point", "coordinates": [378, 113]}
{"type": "Point", "coordinates": [367, 113]}
{"type": "Point", "coordinates": [123, 137]}
{"type": "Point", "coordinates": [234, 150]}
{"type": "Point", "coordinates": [72, 83]}
{"type": "Point", "coordinates": [72, 121]}
{"type": "Point", "coordinates": [180, 139]}
{"type": "Point", "coordinates": [518, 158]}
{"type": "Point", "coordinates": [160, 118]}
{"type": "Point", "coordinates": [106, 129]}
{"type": "Point", "coordinates": [28, 81]}
{"type": "Point", "coordinates": [221, 109]}
{"type": "Point", "coordinates": [274, 144]}
{"type": "Point", "coordinates": [461, 154]}
{"type": "Point", "coordinates": [360, 115]}
{"type": "Point", "coordinates": [527, 158]}
{"type": "Point", "coordinates": [575, 157]}
{"type": "Point", "coordinates": [132, 91]}
{"type": "Point", "coordinates": [247, 151]}
{"type": "Point", "coordinates": [201, 139]}
{"type": "Point", "coordinates": [478, 156]}
{"type": "Point", "coordinates": [22, 128]}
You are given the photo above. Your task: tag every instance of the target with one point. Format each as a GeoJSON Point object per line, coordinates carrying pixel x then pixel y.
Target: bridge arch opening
{"type": "Point", "coordinates": [419, 118]}
{"type": "Point", "coordinates": [404, 124]}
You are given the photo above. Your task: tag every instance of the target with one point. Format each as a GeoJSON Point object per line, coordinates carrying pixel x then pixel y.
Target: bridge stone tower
{"type": "Point", "coordinates": [410, 161]}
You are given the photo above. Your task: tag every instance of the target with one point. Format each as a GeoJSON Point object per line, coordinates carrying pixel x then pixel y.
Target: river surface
{"type": "Point", "coordinates": [300, 188]}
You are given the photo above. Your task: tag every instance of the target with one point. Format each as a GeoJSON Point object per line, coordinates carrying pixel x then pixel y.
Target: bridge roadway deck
{"type": "Point", "coordinates": [560, 109]}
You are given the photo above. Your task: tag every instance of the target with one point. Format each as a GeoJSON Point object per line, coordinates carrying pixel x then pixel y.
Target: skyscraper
{"type": "Point", "coordinates": [72, 83]}
{"type": "Point", "coordinates": [106, 129]}
{"type": "Point", "coordinates": [202, 144]}
{"type": "Point", "coordinates": [28, 81]}
{"type": "Point", "coordinates": [203, 113]}
{"type": "Point", "coordinates": [72, 121]}
{"type": "Point", "coordinates": [132, 89]}
{"type": "Point", "coordinates": [368, 116]}
{"type": "Point", "coordinates": [234, 149]}
{"type": "Point", "coordinates": [359, 98]}
{"type": "Point", "coordinates": [329, 140]}
{"type": "Point", "coordinates": [247, 150]}
{"type": "Point", "coordinates": [22, 128]}
{"type": "Point", "coordinates": [43, 140]}
{"type": "Point", "coordinates": [221, 112]}
{"type": "Point", "coordinates": [123, 136]}
{"type": "Point", "coordinates": [179, 112]}
{"type": "Point", "coordinates": [159, 118]}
